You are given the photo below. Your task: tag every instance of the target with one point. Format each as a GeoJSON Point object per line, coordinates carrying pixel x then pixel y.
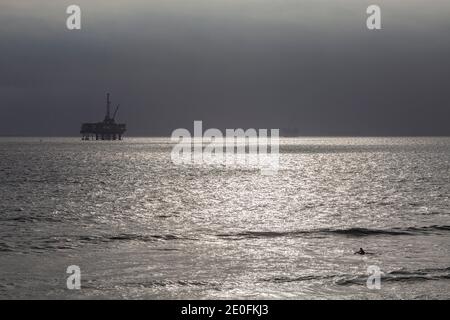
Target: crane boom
{"type": "Point", "coordinates": [107, 106]}
{"type": "Point", "coordinates": [115, 112]}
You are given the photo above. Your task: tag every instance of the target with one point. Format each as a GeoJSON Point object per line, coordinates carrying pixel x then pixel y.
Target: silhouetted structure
{"type": "Point", "coordinates": [108, 129]}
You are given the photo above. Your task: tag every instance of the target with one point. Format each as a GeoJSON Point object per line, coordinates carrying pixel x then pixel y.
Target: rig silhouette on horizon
{"type": "Point", "coordinates": [108, 129]}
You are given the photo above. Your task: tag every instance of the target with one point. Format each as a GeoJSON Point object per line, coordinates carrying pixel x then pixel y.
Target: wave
{"type": "Point", "coordinates": [401, 275]}
{"type": "Point", "coordinates": [285, 279]}
{"type": "Point", "coordinates": [74, 242]}
{"type": "Point", "coordinates": [131, 237]}
{"type": "Point", "coordinates": [351, 232]}
{"type": "Point", "coordinates": [29, 218]}
{"type": "Point", "coordinates": [154, 283]}
{"type": "Point", "coordinates": [5, 248]}
{"type": "Point", "coordinates": [67, 242]}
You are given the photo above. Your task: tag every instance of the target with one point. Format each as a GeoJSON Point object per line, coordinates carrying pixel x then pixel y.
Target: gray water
{"type": "Point", "coordinates": [139, 226]}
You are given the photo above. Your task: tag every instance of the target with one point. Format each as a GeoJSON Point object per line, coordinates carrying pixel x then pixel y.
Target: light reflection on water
{"type": "Point", "coordinates": [141, 227]}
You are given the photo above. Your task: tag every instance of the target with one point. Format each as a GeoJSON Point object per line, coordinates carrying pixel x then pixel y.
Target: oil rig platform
{"type": "Point", "coordinates": [108, 129]}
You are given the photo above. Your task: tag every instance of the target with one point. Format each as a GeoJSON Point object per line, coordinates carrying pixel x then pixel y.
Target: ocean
{"type": "Point", "coordinates": [140, 227]}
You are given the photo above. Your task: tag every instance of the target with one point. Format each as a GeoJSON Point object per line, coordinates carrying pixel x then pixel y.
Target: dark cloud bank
{"type": "Point", "coordinates": [282, 64]}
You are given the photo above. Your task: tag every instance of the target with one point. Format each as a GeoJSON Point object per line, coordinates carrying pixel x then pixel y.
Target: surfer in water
{"type": "Point", "coordinates": [361, 251]}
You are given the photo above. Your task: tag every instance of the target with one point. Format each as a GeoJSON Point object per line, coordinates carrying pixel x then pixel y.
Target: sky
{"type": "Point", "coordinates": [311, 66]}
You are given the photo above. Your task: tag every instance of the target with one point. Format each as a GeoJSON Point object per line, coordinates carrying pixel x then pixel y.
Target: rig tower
{"type": "Point", "coordinates": [108, 129]}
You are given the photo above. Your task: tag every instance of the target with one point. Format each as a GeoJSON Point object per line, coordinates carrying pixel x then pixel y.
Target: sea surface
{"type": "Point", "coordinates": [139, 226]}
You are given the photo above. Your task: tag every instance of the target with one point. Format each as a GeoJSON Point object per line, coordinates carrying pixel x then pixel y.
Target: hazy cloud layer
{"type": "Point", "coordinates": [310, 65]}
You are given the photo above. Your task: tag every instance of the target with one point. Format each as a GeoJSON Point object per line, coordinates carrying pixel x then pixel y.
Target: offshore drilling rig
{"type": "Point", "coordinates": [108, 129]}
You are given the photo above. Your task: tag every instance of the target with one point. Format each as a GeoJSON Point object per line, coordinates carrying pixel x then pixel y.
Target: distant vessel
{"type": "Point", "coordinates": [108, 129]}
